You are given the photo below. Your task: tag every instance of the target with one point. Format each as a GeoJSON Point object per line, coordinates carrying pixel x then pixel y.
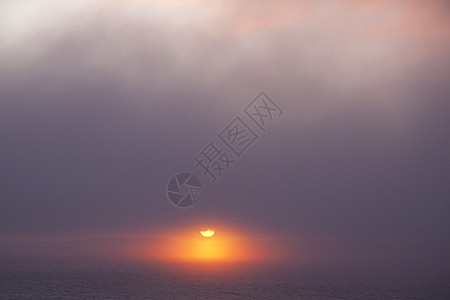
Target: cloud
{"type": "Point", "coordinates": [103, 101]}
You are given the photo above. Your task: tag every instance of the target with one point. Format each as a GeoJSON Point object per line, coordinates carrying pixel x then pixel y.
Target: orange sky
{"type": "Point", "coordinates": [228, 245]}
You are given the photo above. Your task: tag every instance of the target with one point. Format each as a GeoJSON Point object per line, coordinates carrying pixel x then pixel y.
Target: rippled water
{"type": "Point", "coordinates": [93, 280]}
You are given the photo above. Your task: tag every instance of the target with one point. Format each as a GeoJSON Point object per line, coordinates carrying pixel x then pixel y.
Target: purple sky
{"type": "Point", "coordinates": [101, 102]}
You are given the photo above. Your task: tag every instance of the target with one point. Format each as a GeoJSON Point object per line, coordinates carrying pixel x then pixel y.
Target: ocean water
{"type": "Point", "coordinates": [113, 280]}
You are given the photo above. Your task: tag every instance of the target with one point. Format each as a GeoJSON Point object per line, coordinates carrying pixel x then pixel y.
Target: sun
{"type": "Point", "coordinates": [207, 233]}
{"type": "Point", "coordinates": [214, 246]}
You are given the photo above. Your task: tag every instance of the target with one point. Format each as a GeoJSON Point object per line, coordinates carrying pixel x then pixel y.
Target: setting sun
{"type": "Point", "coordinates": [207, 233]}
{"type": "Point", "coordinates": [199, 244]}
{"type": "Point", "coordinates": [214, 246]}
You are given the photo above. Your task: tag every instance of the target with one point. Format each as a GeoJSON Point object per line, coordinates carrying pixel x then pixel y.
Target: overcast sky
{"type": "Point", "coordinates": [102, 102]}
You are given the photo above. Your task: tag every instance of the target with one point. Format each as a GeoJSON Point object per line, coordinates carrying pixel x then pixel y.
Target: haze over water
{"type": "Point", "coordinates": [338, 188]}
{"type": "Point", "coordinates": [125, 280]}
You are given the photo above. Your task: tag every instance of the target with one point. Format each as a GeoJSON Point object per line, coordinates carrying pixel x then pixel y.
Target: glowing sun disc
{"type": "Point", "coordinates": [207, 233]}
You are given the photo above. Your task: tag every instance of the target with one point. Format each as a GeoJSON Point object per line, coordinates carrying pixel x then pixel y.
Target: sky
{"type": "Point", "coordinates": [102, 102]}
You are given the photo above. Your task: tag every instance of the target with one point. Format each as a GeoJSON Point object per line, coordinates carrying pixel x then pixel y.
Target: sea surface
{"type": "Point", "coordinates": [43, 279]}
